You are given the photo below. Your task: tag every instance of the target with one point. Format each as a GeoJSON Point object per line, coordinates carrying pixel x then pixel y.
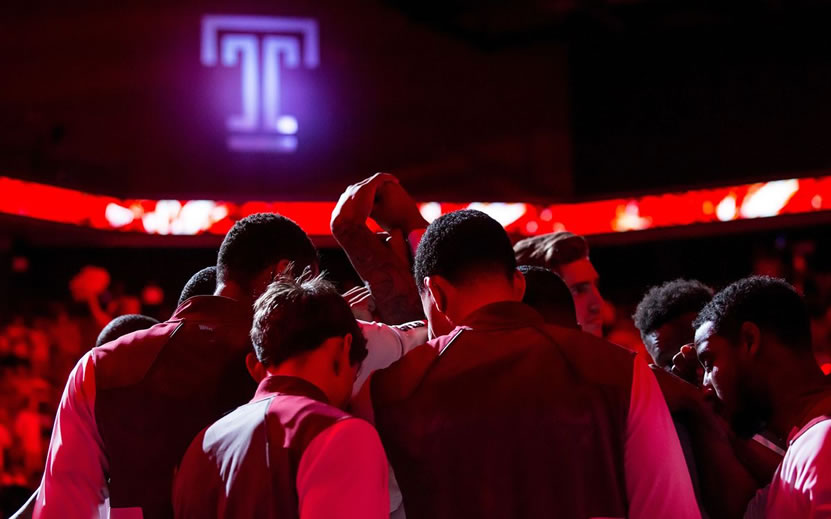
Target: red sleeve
{"type": "Point", "coordinates": [343, 474]}
{"type": "Point", "coordinates": [74, 479]}
{"type": "Point", "coordinates": [657, 480]}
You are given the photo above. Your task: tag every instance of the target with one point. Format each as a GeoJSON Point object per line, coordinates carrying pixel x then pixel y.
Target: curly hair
{"type": "Point", "coordinates": [122, 325]}
{"type": "Point", "coordinates": [666, 302]}
{"type": "Point", "coordinates": [203, 283]}
{"type": "Point", "coordinates": [258, 241]}
{"type": "Point", "coordinates": [459, 244]}
{"type": "Point", "coordinates": [771, 304]}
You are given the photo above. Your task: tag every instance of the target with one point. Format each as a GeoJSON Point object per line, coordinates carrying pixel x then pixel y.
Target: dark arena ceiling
{"type": "Point", "coordinates": [464, 100]}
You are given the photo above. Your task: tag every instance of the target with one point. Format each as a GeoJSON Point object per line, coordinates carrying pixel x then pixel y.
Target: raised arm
{"type": "Point", "coordinates": [386, 273]}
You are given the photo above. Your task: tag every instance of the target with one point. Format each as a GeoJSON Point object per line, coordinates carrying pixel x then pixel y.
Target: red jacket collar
{"type": "Point", "coordinates": [502, 315]}
{"type": "Point", "coordinates": [280, 384]}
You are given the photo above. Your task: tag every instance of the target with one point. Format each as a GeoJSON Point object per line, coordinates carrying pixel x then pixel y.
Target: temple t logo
{"type": "Point", "coordinates": [262, 48]}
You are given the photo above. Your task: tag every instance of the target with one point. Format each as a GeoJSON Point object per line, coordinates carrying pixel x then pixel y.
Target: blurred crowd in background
{"type": "Point", "coordinates": [46, 329]}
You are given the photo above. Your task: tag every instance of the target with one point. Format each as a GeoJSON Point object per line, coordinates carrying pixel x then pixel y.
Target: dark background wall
{"type": "Point", "coordinates": [115, 99]}
{"type": "Point", "coordinates": [465, 100]}
{"type": "Point", "coordinates": [667, 99]}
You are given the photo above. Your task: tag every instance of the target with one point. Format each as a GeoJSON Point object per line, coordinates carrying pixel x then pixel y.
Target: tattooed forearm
{"type": "Point", "coordinates": [388, 276]}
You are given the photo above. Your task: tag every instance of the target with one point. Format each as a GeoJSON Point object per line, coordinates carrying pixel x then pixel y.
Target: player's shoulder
{"type": "Point", "coordinates": [398, 380]}
{"type": "Point", "coordinates": [812, 443]}
{"type": "Point", "coordinates": [595, 357]}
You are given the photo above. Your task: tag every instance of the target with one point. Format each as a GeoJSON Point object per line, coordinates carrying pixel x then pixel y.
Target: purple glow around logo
{"type": "Point", "coordinates": [260, 47]}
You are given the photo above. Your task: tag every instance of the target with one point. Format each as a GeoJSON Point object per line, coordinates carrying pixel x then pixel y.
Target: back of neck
{"type": "Point", "coordinates": [477, 301]}
{"type": "Point", "coordinates": [231, 291]}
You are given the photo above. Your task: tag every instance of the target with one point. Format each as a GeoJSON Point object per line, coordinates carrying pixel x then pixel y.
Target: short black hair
{"type": "Point", "coordinates": [203, 283]}
{"type": "Point", "coordinates": [547, 293]}
{"type": "Point", "coordinates": [294, 316]}
{"type": "Point", "coordinates": [459, 244]}
{"type": "Point", "coordinates": [551, 251]}
{"type": "Point", "coordinates": [258, 241]}
{"type": "Point", "coordinates": [669, 301]}
{"type": "Point", "coordinates": [770, 303]}
{"type": "Point", "coordinates": [122, 325]}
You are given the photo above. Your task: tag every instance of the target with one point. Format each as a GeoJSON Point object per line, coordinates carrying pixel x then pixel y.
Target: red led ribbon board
{"type": "Point", "coordinates": [192, 217]}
